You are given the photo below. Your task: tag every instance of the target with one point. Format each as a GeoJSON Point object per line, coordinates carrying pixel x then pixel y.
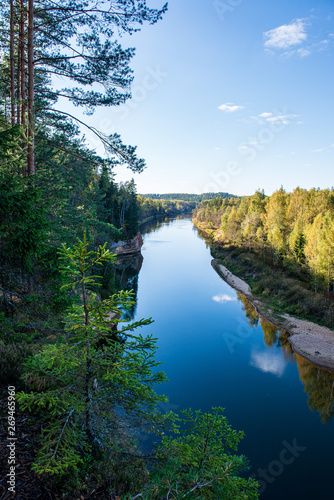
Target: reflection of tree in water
{"type": "Point", "coordinates": [151, 226]}
{"type": "Point", "coordinates": [251, 314]}
{"type": "Point", "coordinates": [123, 275]}
{"type": "Point", "coordinates": [286, 347]}
{"type": "Point", "coordinates": [318, 383]}
{"type": "Point", "coordinates": [270, 333]}
{"type": "Point", "coordinates": [203, 236]}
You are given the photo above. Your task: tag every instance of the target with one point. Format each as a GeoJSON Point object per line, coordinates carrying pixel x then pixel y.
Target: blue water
{"type": "Point", "coordinates": [214, 355]}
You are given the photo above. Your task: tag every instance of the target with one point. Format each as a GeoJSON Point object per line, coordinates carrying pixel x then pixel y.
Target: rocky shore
{"type": "Point", "coordinates": [128, 247]}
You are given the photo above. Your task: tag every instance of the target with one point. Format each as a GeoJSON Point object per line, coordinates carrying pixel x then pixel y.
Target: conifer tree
{"type": "Point", "coordinates": [96, 381]}
{"type": "Point", "coordinates": [79, 42]}
{"type": "Point", "coordinates": [197, 461]}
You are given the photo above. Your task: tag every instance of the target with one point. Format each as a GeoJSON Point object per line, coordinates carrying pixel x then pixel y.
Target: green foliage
{"type": "Point", "coordinates": [92, 383]}
{"type": "Point", "coordinates": [95, 380]}
{"type": "Point", "coordinates": [281, 288]}
{"type": "Point", "coordinates": [35, 219]}
{"type": "Point", "coordinates": [294, 230]}
{"type": "Point", "coordinates": [12, 154]}
{"type": "Point", "coordinates": [117, 206]}
{"type": "Point", "coordinates": [197, 198]}
{"type": "Point", "coordinates": [94, 388]}
{"type": "Point", "coordinates": [24, 225]}
{"type": "Point", "coordinates": [12, 356]}
{"type": "Point", "coordinates": [61, 31]}
{"type": "Point", "coordinates": [198, 462]}
{"type": "Point", "coordinates": [153, 208]}
{"type": "Point", "coordinates": [299, 247]}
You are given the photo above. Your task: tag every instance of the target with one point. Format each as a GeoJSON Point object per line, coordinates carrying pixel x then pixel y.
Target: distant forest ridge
{"type": "Point", "coordinates": [188, 196]}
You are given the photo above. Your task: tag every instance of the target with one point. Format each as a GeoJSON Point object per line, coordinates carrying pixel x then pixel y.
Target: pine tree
{"type": "Point", "coordinates": [197, 461]}
{"type": "Point", "coordinates": [95, 381]}
{"type": "Point", "coordinates": [78, 42]}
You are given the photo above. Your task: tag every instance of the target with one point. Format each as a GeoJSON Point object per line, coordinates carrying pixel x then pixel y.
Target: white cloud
{"type": "Point", "coordinates": [223, 298]}
{"type": "Point", "coordinates": [303, 52]}
{"type": "Point", "coordinates": [255, 142]}
{"type": "Point", "coordinates": [319, 150]}
{"type": "Point", "coordinates": [229, 107]}
{"type": "Point", "coordinates": [286, 35]}
{"type": "Point", "coordinates": [292, 40]}
{"type": "Point", "coordinates": [278, 119]}
{"type": "Point", "coordinates": [268, 362]}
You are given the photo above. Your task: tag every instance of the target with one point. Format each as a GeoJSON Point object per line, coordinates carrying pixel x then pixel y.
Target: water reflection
{"type": "Point", "coordinates": [267, 361]}
{"type": "Point", "coordinates": [207, 348]}
{"type": "Point", "coordinates": [127, 270]}
{"type": "Point", "coordinates": [151, 226]}
{"type": "Point", "coordinates": [123, 275]}
{"type": "Point", "coordinates": [319, 386]}
{"type": "Point", "coordinates": [223, 298]}
{"type": "Point", "coordinates": [318, 383]}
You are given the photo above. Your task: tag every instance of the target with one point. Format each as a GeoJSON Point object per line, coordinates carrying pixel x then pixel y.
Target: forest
{"type": "Point", "coordinates": [78, 382]}
{"type": "Point", "coordinates": [291, 234]}
{"type": "Point", "coordinates": [197, 198]}
{"type": "Point", "coordinates": [154, 208]}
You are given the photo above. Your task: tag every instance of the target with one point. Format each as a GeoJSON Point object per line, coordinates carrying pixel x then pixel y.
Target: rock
{"type": "Point", "coordinates": [129, 246]}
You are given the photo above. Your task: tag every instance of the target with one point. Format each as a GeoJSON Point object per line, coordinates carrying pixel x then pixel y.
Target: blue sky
{"type": "Point", "coordinates": [231, 95]}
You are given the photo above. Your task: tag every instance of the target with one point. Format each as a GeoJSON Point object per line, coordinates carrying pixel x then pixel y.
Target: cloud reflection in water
{"type": "Point", "coordinates": [223, 298]}
{"type": "Point", "coordinates": [268, 362]}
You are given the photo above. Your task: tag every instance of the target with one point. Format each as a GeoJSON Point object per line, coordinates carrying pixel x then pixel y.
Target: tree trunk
{"type": "Point", "coordinates": [88, 370]}
{"type": "Point", "coordinates": [11, 63]}
{"type": "Point", "coordinates": [18, 74]}
{"type": "Point", "coordinates": [21, 68]}
{"type": "Point", "coordinates": [31, 111]}
{"type": "Point", "coordinates": [329, 274]}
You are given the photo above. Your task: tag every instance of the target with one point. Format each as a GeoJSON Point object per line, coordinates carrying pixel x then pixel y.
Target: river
{"type": "Point", "coordinates": [218, 352]}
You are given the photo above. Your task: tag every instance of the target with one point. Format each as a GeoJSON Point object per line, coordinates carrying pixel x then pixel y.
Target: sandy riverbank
{"type": "Point", "coordinates": [312, 341]}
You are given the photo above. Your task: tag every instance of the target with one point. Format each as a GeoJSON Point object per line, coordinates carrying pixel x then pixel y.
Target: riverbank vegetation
{"type": "Point", "coordinates": [282, 245]}
{"type": "Point", "coordinates": [85, 379]}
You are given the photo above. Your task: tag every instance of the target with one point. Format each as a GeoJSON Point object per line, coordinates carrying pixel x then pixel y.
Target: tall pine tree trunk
{"type": "Point", "coordinates": [20, 64]}
{"type": "Point", "coordinates": [18, 74]}
{"type": "Point", "coordinates": [31, 111]}
{"type": "Point", "coordinates": [22, 61]}
{"type": "Point", "coordinates": [11, 63]}
{"type": "Point", "coordinates": [88, 376]}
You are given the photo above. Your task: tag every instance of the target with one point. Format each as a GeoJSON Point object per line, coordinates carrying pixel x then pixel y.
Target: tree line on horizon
{"type": "Point", "coordinates": [197, 198]}
{"type": "Point", "coordinates": [155, 208]}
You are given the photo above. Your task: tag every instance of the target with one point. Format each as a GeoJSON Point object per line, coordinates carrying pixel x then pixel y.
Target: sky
{"type": "Point", "coordinates": [230, 95]}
